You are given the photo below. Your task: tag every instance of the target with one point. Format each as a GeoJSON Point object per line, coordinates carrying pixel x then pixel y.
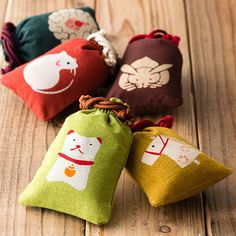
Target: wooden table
{"type": "Point", "coordinates": [207, 119]}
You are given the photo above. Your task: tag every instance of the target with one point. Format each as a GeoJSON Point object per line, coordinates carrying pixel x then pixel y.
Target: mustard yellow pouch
{"type": "Point", "coordinates": [167, 167]}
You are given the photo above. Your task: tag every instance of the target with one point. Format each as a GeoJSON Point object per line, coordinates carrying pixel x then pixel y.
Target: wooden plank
{"type": "Point", "coordinates": [24, 141]}
{"type": "Point", "coordinates": [212, 37]}
{"type": "Point", "coordinates": [132, 215]}
{"type": "Point", "coordinates": [3, 11]}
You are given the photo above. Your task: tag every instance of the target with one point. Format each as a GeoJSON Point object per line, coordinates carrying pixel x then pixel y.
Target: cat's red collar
{"type": "Point", "coordinates": [78, 162]}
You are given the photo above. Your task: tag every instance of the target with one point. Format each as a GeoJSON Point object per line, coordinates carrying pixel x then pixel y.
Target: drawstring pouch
{"type": "Point", "coordinates": [150, 76]}
{"type": "Point", "coordinates": [166, 166]}
{"type": "Point", "coordinates": [79, 173]}
{"type": "Point", "coordinates": [53, 81]}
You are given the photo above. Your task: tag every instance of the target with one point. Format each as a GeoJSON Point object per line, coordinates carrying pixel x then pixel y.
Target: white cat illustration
{"type": "Point", "coordinates": [75, 160]}
{"type": "Point", "coordinates": [183, 154]}
{"type": "Point", "coordinates": [44, 72]}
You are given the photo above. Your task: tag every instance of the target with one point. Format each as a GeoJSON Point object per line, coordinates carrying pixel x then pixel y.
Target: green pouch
{"type": "Point", "coordinates": [81, 169]}
{"type": "Point", "coordinates": [38, 34]}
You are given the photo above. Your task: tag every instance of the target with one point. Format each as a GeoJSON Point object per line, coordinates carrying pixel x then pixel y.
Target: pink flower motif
{"type": "Point", "coordinates": [183, 159]}
{"type": "Point", "coordinates": [71, 23]}
{"type": "Point", "coordinates": [74, 23]}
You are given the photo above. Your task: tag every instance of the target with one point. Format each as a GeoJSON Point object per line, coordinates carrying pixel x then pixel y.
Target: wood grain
{"type": "Point", "coordinates": [208, 45]}
{"type": "Point", "coordinates": [24, 141]}
{"type": "Point", "coordinates": [213, 52]}
{"type": "Point", "coordinates": [132, 214]}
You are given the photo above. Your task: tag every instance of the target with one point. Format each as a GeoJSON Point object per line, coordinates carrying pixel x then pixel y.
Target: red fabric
{"type": "Point", "coordinates": [141, 125]}
{"type": "Point", "coordinates": [91, 73]}
{"type": "Point", "coordinates": [78, 162]}
{"type": "Point", "coordinates": [157, 34]}
{"type": "Point", "coordinates": [166, 121]}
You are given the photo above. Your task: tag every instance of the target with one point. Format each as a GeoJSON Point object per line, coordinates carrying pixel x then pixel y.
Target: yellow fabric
{"type": "Point", "coordinates": [165, 181]}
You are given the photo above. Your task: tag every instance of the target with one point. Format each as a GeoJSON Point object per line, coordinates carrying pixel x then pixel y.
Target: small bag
{"type": "Point", "coordinates": [150, 76]}
{"type": "Point", "coordinates": [79, 174]}
{"type": "Point", "coordinates": [53, 81]}
{"type": "Point", "coordinates": [36, 35]}
{"type": "Point", "coordinates": [167, 167]}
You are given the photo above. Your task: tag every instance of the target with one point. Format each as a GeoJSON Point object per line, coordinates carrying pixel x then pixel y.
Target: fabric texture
{"type": "Point", "coordinates": [170, 169]}
{"type": "Point", "coordinates": [38, 34]}
{"type": "Point", "coordinates": [150, 76]}
{"type": "Point", "coordinates": [51, 82]}
{"type": "Point", "coordinates": [79, 173]}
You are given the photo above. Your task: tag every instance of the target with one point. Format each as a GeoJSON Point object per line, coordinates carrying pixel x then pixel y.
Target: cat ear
{"type": "Point", "coordinates": [70, 132]}
{"type": "Point", "coordinates": [99, 139]}
{"type": "Point", "coordinates": [63, 53]}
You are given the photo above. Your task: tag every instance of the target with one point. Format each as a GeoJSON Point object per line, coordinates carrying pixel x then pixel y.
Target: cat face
{"type": "Point", "coordinates": [81, 147]}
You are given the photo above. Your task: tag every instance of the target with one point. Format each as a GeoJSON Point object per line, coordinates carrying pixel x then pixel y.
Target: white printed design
{"type": "Point", "coordinates": [182, 153]}
{"type": "Point", "coordinates": [75, 160]}
{"type": "Point", "coordinates": [71, 23]}
{"type": "Point", "coordinates": [144, 73]}
{"type": "Point", "coordinates": [44, 72]}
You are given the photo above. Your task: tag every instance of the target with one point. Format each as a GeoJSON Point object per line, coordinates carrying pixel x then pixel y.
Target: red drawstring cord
{"type": "Point", "coordinates": [157, 34]}
{"type": "Point", "coordinates": [166, 121]}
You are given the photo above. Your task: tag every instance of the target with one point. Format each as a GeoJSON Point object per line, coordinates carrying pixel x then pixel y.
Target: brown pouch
{"type": "Point", "coordinates": [150, 76]}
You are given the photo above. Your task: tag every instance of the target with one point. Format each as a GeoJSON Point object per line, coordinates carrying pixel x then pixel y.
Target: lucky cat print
{"type": "Point", "coordinates": [75, 160]}
{"type": "Point", "coordinates": [80, 171]}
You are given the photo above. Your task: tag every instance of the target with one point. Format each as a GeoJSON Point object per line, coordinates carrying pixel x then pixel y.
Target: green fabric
{"type": "Point", "coordinates": [94, 203]}
{"type": "Point", "coordinates": [33, 38]}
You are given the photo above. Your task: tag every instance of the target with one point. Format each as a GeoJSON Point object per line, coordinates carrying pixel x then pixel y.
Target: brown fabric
{"type": "Point", "coordinates": [156, 95]}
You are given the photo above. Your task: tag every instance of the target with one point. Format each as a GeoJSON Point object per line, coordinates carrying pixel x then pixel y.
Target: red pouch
{"type": "Point", "coordinates": [51, 82]}
{"type": "Point", "coordinates": [150, 76]}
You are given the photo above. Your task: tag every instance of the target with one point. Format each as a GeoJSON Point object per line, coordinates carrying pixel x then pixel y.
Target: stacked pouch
{"type": "Point", "coordinates": [167, 167]}
{"type": "Point", "coordinates": [51, 82]}
{"type": "Point", "coordinates": [79, 174]}
{"type": "Point", "coordinates": [36, 35]}
{"type": "Point", "coordinates": [150, 76]}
